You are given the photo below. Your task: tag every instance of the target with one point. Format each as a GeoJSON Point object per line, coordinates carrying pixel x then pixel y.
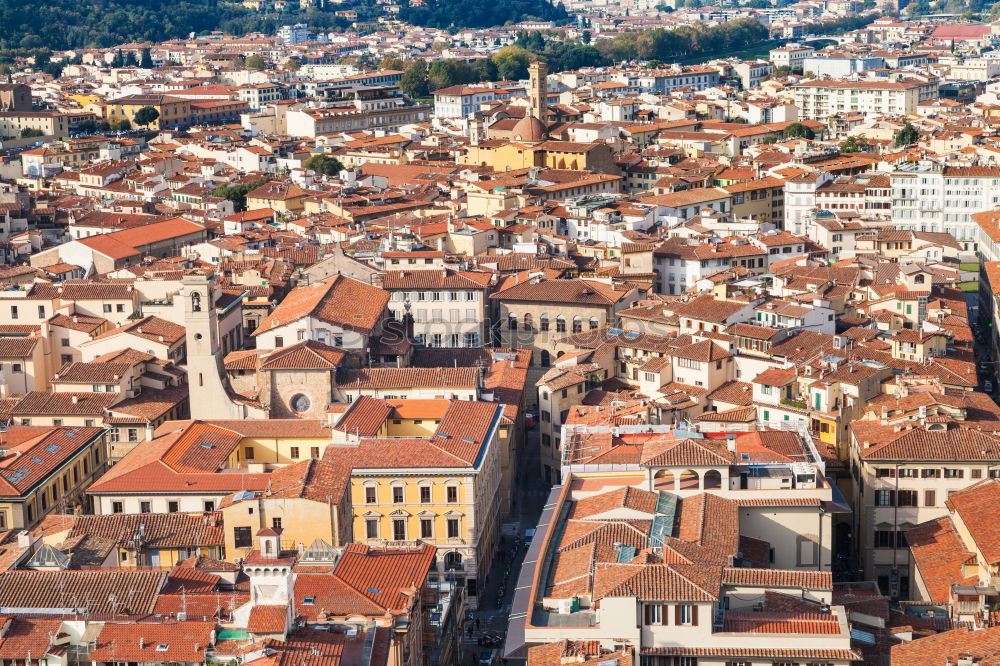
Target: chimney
{"type": "Point", "coordinates": [76, 399]}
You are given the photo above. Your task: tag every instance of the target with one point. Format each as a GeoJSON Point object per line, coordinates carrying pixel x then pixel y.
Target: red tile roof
{"type": "Point", "coordinates": [980, 647]}
{"type": "Point", "coordinates": [340, 300]}
{"type": "Point", "coordinates": [764, 622]}
{"type": "Point", "coordinates": [154, 643]}
{"type": "Point", "coordinates": [92, 590]}
{"type": "Point", "coordinates": [365, 581]}
{"type": "Point", "coordinates": [268, 619]}
{"type": "Point", "coordinates": [159, 530]}
{"type": "Point", "coordinates": [939, 555]}
{"type": "Point", "coordinates": [971, 504]}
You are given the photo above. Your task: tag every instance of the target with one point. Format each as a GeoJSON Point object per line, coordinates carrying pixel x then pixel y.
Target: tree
{"type": "Point", "coordinates": [770, 140]}
{"type": "Point", "coordinates": [123, 125]}
{"type": "Point", "coordinates": [256, 61]}
{"type": "Point", "coordinates": [414, 79]}
{"type": "Point", "coordinates": [585, 37]}
{"type": "Point", "coordinates": [293, 64]}
{"type": "Point", "coordinates": [31, 131]}
{"type": "Point", "coordinates": [392, 63]}
{"type": "Point", "coordinates": [485, 69]}
{"type": "Point", "coordinates": [512, 62]}
{"type": "Point", "coordinates": [118, 60]}
{"type": "Point", "coordinates": [448, 72]}
{"type": "Point", "coordinates": [854, 144]}
{"type": "Point", "coordinates": [906, 136]}
{"type": "Point", "coordinates": [87, 126]}
{"type": "Point", "coordinates": [797, 130]}
{"type": "Point", "coordinates": [238, 193]}
{"type": "Point", "coordinates": [146, 116]}
{"type": "Point", "coordinates": [146, 59]}
{"type": "Point", "coordinates": [325, 164]}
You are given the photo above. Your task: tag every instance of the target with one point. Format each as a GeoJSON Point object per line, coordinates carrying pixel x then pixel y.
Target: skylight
{"type": "Point", "coordinates": [162, 647]}
{"type": "Point", "coordinates": [309, 600]}
{"type": "Point", "coordinates": [52, 448]}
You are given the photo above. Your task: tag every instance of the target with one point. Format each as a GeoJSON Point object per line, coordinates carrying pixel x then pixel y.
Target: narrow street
{"type": "Point", "coordinates": [529, 497]}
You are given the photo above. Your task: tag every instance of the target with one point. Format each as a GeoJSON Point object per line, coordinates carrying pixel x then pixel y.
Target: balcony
{"type": "Point", "coordinates": [791, 402]}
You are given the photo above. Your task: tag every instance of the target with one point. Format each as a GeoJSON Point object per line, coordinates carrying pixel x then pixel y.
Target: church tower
{"type": "Point", "coordinates": [208, 394]}
{"type": "Point", "coordinates": [538, 73]}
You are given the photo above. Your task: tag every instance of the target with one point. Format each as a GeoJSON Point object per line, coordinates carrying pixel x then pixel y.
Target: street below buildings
{"type": "Point", "coordinates": [490, 621]}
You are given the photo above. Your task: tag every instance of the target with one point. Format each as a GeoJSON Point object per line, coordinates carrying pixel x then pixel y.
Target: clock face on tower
{"type": "Point", "coordinates": [300, 403]}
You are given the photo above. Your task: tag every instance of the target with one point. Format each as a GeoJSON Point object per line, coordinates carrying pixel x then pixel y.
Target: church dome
{"type": "Point", "coordinates": [529, 128]}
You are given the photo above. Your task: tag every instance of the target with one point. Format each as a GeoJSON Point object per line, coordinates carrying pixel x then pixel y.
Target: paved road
{"type": "Point", "coordinates": [529, 493]}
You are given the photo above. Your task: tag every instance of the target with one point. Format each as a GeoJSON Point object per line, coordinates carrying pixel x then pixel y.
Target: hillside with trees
{"type": "Point", "coordinates": [480, 13]}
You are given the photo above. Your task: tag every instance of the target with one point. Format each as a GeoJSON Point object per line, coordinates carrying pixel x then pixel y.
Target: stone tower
{"type": "Point", "coordinates": [208, 393]}
{"type": "Point", "coordinates": [537, 72]}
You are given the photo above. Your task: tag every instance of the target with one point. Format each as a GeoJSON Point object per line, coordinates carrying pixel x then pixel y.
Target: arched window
{"type": "Point", "coordinates": [919, 278]}
{"type": "Point", "coordinates": [543, 323]}
{"type": "Point", "coordinates": [713, 480]}
{"type": "Point", "coordinates": [689, 480]}
{"type": "Point", "coordinates": [453, 561]}
{"type": "Point", "coordinates": [663, 480]}
{"type": "Point", "coordinates": [196, 302]}
{"type": "Point", "coordinates": [594, 323]}
{"type": "Point", "coordinates": [546, 359]}
{"type": "Point", "coordinates": [529, 324]}
{"type": "Point", "coordinates": [577, 324]}
{"type": "Point", "coordinates": [512, 321]}
{"type": "Point", "coordinates": [560, 324]}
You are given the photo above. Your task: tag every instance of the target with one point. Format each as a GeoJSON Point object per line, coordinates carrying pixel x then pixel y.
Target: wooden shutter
{"type": "Point", "coordinates": [677, 614]}
{"type": "Point", "coordinates": [664, 614]}
{"type": "Point", "coordinates": [694, 614]}
{"type": "Point", "coordinates": [649, 614]}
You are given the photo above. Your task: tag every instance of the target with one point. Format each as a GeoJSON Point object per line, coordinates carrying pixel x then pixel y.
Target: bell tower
{"type": "Point", "coordinates": [208, 393]}
{"type": "Point", "coordinates": [539, 87]}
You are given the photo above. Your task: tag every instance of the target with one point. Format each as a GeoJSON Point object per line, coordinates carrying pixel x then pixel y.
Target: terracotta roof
{"type": "Point", "coordinates": [266, 619]}
{"type": "Point", "coordinates": [78, 290]}
{"type": "Point", "coordinates": [181, 642]}
{"type": "Point", "coordinates": [708, 308]}
{"type": "Point", "coordinates": [435, 279]}
{"type": "Point", "coordinates": [954, 443]}
{"type": "Point", "coordinates": [92, 590]}
{"type": "Point", "coordinates": [641, 501]}
{"type": "Point", "coordinates": [770, 622]}
{"type": "Point", "coordinates": [578, 653]}
{"type": "Point", "coordinates": [150, 328]}
{"type": "Point", "coordinates": [734, 393]}
{"type": "Point", "coordinates": [19, 347]}
{"type": "Point", "coordinates": [365, 581]}
{"type": "Point", "coordinates": [804, 654]}
{"type": "Point", "coordinates": [91, 373]}
{"type": "Point", "coordinates": [340, 300]}
{"type": "Point", "coordinates": [307, 355]}
{"type": "Point", "coordinates": [393, 378]}
{"type": "Point", "coordinates": [565, 291]}
{"type": "Point", "coordinates": [939, 555]}
{"type": "Point", "coordinates": [813, 580]}
{"type": "Point", "coordinates": [77, 322]}
{"type": "Point", "coordinates": [158, 530]}
{"type": "Point", "coordinates": [981, 647]}
{"type": "Point", "coordinates": [29, 636]}
{"type": "Point", "coordinates": [971, 504]}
